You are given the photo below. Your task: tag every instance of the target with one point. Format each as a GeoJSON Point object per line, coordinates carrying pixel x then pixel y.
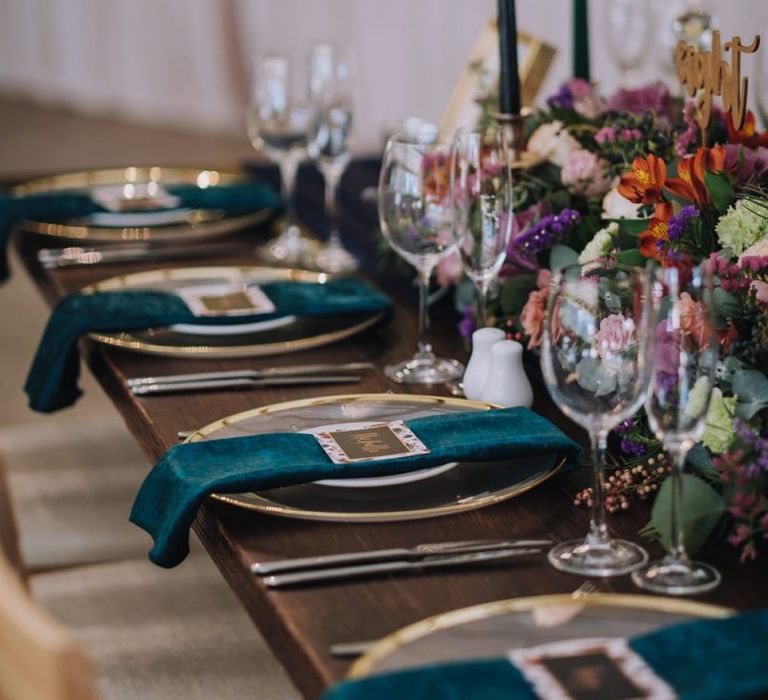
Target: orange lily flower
{"type": "Point", "coordinates": [689, 183]}
{"type": "Point", "coordinates": [657, 232]}
{"type": "Point", "coordinates": [644, 183]}
{"type": "Point", "coordinates": [748, 135]}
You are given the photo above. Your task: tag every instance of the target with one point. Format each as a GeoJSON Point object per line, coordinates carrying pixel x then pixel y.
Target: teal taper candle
{"type": "Point", "coordinates": [509, 77]}
{"type": "Point", "coordinates": [581, 39]}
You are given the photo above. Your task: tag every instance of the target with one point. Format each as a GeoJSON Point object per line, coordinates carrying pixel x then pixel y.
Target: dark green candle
{"type": "Point", "coordinates": [509, 77]}
{"type": "Point", "coordinates": [581, 39]}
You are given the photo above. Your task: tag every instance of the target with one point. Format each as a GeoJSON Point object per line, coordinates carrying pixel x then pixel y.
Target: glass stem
{"type": "Point", "coordinates": [598, 530]}
{"type": "Point", "coordinates": [289, 165]}
{"type": "Point", "coordinates": [482, 304]}
{"type": "Point", "coordinates": [332, 177]}
{"type": "Point", "coordinates": [424, 346]}
{"type": "Point", "coordinates": [677, 553]}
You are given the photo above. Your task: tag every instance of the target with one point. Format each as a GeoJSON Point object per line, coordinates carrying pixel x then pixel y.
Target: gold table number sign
{"type": "Point", "coordinates": [709, 72]}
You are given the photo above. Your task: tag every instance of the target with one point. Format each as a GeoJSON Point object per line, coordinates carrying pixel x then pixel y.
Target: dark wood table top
{"type": "Point", "coordinates": [300, 624]}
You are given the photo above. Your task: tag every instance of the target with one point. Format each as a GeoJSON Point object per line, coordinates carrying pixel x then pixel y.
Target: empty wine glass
{"type": "Point", "coordinates": [330, 93]}
{"type": "Point", "coordinates": [628, 31]}
{"type": "Point", "coordinates": [685, 358]}
{"type": "Point", "coordinates": [280, 127]}
{"type": "Point", "coordinates": [481, 188]}
{"type": "Point", "coordinates": [416, 218]}
{"type": "Point", "coordinates": [595, 361]}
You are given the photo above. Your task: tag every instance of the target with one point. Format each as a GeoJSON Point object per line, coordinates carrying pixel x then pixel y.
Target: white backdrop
{"type": "Point", "coordinates": [184, 62]}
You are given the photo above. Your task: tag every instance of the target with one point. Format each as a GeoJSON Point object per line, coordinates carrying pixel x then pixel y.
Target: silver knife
{"type": "Point", "coordinates": [290, 371]}
{"type": "Point", "coordinates": [400, 553]}
{"type": "Point", "coordinates": [51, 258]}
{"type": "Point", "coordinates": [244, 383]}
{"type": "Point", "coordinates": [431, 562]}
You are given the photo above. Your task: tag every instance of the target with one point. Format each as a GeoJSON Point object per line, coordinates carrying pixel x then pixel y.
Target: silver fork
{"type": "Point", "coordinates": [351, 650]}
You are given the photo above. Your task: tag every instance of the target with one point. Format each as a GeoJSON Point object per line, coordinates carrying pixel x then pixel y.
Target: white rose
{"type": "Point", "coordinates": [615, 206]}
{"type": "Point", "coordinates": [553, 142]}
{"type": "Point", "coordinates": [600, 245]}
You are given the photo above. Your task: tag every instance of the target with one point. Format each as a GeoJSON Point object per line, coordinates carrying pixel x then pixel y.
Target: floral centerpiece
{"type": "Point", "coordinates": [631, 177]}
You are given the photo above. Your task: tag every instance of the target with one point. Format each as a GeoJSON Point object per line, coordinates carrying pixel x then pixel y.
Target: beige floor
{"type": "Point", "coordinates": [73, 474]}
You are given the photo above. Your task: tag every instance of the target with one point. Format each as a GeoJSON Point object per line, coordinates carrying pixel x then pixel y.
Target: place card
{"type": "Point", "coordinates": [226, 300]}
{"type": "Point", "coordinates": [589, 669]}
{"type": "Point", "coordinates": [371, 442]}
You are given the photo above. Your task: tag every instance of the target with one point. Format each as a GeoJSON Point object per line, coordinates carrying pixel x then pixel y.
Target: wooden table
{"type": "Point", "coordinates": [300, 624]}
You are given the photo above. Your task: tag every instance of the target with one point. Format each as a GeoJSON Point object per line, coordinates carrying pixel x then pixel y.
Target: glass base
{"type": "Point", "coordinates": [428, 370]}
{"type": "Point", "coordinates": [289, 247]}
{"type": "Point", "coordinates": [585, 558]}
{"type": "Point", "coordinates": [334, 257]}
{"type": "Point", "coordinates": [672, 577]}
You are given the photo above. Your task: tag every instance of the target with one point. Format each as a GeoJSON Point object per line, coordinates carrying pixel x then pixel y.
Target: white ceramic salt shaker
{"type": "Point", "coordinates": [507, 385]}
{"type": "Point", "coordinates": [479, 363]}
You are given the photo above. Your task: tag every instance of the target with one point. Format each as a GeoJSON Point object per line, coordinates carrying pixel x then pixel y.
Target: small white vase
{"type": "Point", "coordinates": [507, 385]}
{"type": "Point", "coordinates": [479, 364]}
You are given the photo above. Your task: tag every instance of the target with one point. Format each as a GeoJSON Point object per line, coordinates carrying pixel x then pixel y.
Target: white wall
{"type": "Point", "coordinates": [184, 61]}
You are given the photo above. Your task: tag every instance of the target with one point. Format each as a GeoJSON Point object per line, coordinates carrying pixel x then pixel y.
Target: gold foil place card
{"type": "Point", "coordinates": [226, 300]}
{"type": "Point", "coordinates": [372, 442]}
{"type": "Point", "coordinates": [589, 669]}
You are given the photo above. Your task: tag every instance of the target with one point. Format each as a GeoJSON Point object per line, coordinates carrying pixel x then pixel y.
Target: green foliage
{"type": "Point", "coordinates": [631, 256]}
{"type": "Point", "coordinates": [751, 389]}
{"type": "Point", "coordinates": [721, 189]}
{"type": "Point", "coordinates": [514, 293]}
{"type": "Point", "coordinates": [561, 256]}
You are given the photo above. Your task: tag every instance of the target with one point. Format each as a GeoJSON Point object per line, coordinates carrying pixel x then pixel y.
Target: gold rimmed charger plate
{"type": "Point", "coordinates": [197, 223]}
{"type": "Point", "coordinates": [299, 334]}
{"type": "Point", "coordinates": [466, 486]}
{"type": "Point", "coordinates": [491, 629]}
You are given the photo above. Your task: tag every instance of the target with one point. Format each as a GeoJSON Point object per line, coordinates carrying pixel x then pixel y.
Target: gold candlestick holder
{"type": "Point", "coordinates": [514, 129]}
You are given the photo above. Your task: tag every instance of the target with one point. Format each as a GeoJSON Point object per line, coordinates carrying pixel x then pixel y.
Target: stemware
{"type": "Point", "coordinates": [481, 191]}
{"type": "Point", "coordinates": [280, 126]}
{"type": "Point", "coordinates": [685, 359]}
{"type": "Point", "coordinates": [330, 93]}
{"type": "Point", "coordinates": [595, 361]}
{"type": "Point", "coordinates": [416, 218]}
{"type": "Point", "coordinates": [628, 33]}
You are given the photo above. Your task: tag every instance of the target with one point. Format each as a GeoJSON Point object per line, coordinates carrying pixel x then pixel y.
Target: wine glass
{"type": "Point", "coordinates": [595, 361]}
{"type": "Point", "coordinates": [330, 93]}
{"type": "Point", "coordinates": [627, 34]}
{"type": "Point", "coordinates": [416, 218]}
{"type": "Point", "coordinates": [280, 127]}
{"type": "Point", "coordinates": [685, 359]}
{"type": "Point", "coordinates": [481, 191]}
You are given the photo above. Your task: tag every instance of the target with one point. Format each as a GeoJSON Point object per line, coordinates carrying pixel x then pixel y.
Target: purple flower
{"type": "Point", "coordinates": [679, 223]}
{"type": "Point", "coordinates": [467, 324]}
{"type": "Point", "coordinates": [632, 448]}
{"type": "Point", "coordinates": [562, 99]}
{"type": "Point", "coordinates": [541, 236]}
{"type": "Point", "coordinates": [653, 97]}
{"type": "Point", "coordinates": [749, 165]}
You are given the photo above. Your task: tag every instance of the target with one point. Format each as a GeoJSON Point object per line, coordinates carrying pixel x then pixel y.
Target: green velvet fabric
{"type": "Point", "coordinates": [240, 198]}
{"type": "Point", "coordinates": [700, 660]}
{"type": "Point", "coordinates": [52, 380]}
{"type": "Point", "coordinates": [171, 494]}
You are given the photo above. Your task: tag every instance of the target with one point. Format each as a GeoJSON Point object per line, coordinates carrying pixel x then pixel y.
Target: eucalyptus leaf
{"type": "Point", "coordinates": [726, 304]}
{"type": "Point", "coordinates": [592, 376]}
{"type": "Point", "coordinates": [698, 458]}
{"type": "Point", "coordinates": [751, 389]}
{"type": "Point", "coordinates": [701, 509]}
{"type": "Point", "coordinates": [727, 367]}
{"type": "Point", "coordinates": [561, 256]}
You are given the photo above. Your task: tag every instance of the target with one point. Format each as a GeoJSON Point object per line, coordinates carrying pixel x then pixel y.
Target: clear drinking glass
{"type": "Point", "coordinates": [627, 33]}
{"type": "Point", "coordinates": [481, 188]}
{"type": "Point", "coordinates": [279, 126]}
{"type": "Point", "coordinates": [416, 218]}
{"type": "Point", "coordinates": [595, 361]}
{"type": "Point", "coordinates": [685, 358]}
{"type": "Point", "coordinates": [331, 77]}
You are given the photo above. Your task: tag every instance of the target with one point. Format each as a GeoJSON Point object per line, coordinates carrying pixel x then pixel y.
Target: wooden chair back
{"type": "Point", "coordinates": [38, 657]}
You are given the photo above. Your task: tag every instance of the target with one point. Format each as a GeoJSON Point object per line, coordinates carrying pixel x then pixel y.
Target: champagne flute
{"type": "Point", "coordinates": [416, 218]}
{"type": "Point", "coordinates": [595, 361]}
{"type": "Point", "coordinates": [330, 93]}
{"type": "Point", "coordinates": [685, 359]}
{"type": "Point", "coordinates": [280, 127]}
{"type": "Point", "coordinates": [481, 191]}
{"type": "Point", "coordinates": [627, 33]}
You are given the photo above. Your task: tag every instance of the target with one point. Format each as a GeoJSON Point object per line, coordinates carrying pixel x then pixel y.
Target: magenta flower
{"type": "Point", "coordinates": [653, 97]}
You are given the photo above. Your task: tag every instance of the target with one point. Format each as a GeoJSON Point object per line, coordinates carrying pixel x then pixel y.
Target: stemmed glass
{"type": "Point", "coordinates": [280, 127]}
{"type": "Point", "coordinates": [595, 361]}
{"type": "Point", "coordinates": [330, 93]}
{"type": "Point", "coordinates": [481, 191]}
{"type": "Point", "coordinates": [685, 359]}
{"type": "Point", "coordinates": [416, 218]}
{"type": "Point", "coordinates": [628, 32]}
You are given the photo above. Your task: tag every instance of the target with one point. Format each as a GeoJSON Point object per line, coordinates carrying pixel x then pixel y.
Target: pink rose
{"type": "Point", "coordinates": [615, 334]}
{"type": "Point", "coordinates": [532, 315]}
{"type": "Point", "coordinates": [583, 173]}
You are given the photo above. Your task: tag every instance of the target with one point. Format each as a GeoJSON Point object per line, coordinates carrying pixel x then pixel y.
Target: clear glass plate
{"type": "Point", "coordinates": [466, 486]}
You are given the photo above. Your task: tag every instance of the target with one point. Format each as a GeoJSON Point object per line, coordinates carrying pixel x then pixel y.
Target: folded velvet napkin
{"type": "Point", "coordinates": [237, 198]}
{"type": "Point", "coordinates": [52, 380]}
{"type": "Point", "coordinates": [171, 494]}
{"type": "Point", "coordinates": [699, 660]}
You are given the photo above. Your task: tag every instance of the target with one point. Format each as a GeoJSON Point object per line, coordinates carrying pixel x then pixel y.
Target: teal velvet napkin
{"type": "Point", "coordinates": [700, 660]}
{"type": "Point", "coordinates": [52, 380]}
{"type": "Point", "coordinates": [171, 494]}
{"type": "Point", "coordinates": [238, 198]}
